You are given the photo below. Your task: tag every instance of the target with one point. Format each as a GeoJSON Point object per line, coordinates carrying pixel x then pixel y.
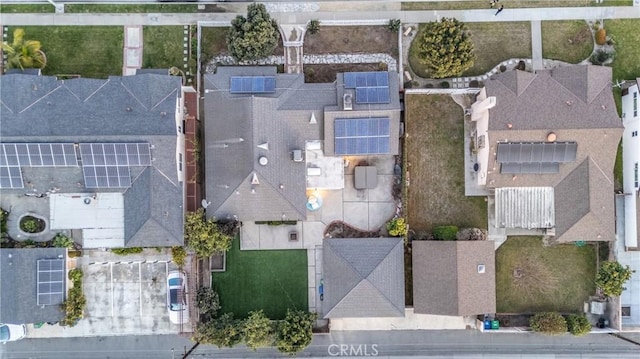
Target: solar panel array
{"type": "Point", "coordinates": [253, 84]}
{"type": "Point", "coordinates": [11, 177]}
{"type": "Point", "coordinates": [371, 87]}
{"type": "Point", "coordinates": [51, 275]}
{"type": "Point", "coordinates": [16, 155]}
{"type": "Point", "coordinates": [106, 165]}
{"type": "Point", "coordinates": [361, 136]}
{"type": "Point", "coordinates": [535, 157]}
{"type": "Point", "coordinates": [38, 154]}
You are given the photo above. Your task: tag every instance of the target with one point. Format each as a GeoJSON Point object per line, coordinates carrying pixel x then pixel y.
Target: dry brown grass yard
{"type": "Point", "coordinates": [351, 39]}
{"type": "Point", "coordinates": [435, 162]}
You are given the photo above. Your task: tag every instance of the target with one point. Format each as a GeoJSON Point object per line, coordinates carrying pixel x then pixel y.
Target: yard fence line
{"type": "Point", "coordinates": [354, 22]}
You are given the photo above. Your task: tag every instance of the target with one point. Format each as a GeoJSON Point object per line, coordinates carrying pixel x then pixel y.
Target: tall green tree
{"type": "Point", "coordinates": [258, 330]}
{"type": "Point", "coordinates": [295, 331]}
{"type": "Point", "coordinates": [446, 48]}
{"type": "Point", "coordinates": [24, 54]}
{"type": "Point", "coordinates": [204, 235]}
{"type": "Point", "coordinates": [253, 37]}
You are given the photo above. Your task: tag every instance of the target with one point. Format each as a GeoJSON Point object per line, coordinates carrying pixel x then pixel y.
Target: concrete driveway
{"type": "Point", "coordinates": [125, 295]}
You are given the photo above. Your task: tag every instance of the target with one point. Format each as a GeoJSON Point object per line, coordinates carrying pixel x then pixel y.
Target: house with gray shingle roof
{"type": "Point", "coordinates": [456, 278]}
{"type": "Point", "coordinates": [22, 299]}
{"type": "Point", "coordinates": [545, 147]}
{"type": "Point", "coordinates": [269, 138]}
{"type": "Point", "coordinates": [104, 156]}
{"type": "Point", "coordinates": [363, 277]}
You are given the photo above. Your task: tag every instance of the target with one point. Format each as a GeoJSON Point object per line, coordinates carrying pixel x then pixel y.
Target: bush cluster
{"type": "Point", "coordinates": [313, 27]}
{"type": "Point", "coordinates": [126, 250]}
{"type": "Point", "coordinates": [549, 323]}
{"type": "Point", "coordinates": [62, 241]}
{"type": "Point", "coordinates": [397, 227]}
{"type": "Point", "coordinates": [179, 256]}
{"type": "Point", "coordinates": [578, 325]}
{"type": "Point", "coordinates": [611, 278]}
{"type": "Point", "coordinates": [76, 301]}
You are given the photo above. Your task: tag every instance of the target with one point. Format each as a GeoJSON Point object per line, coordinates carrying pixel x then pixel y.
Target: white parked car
{"type": "Point", "coordinates": [177, 297]}
{"type": "Point", "coordinates": [12, 332]}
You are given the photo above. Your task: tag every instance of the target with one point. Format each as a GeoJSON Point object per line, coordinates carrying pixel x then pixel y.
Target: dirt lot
{"type": "Point", "coordinates": [351, 39]}
{"type": "Point", "coordinates": [435, 162]}
{"type": "Point", "coordinates": [327, 73]}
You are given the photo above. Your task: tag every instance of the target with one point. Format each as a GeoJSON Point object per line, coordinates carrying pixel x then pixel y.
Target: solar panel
{"type": "Point", "coordinates": [106, 176]}
{"type": "Point", "coordinates": [51, 282]}
{"type": "Point", "coordinates": [366, 79]}
{"type": "Point", "coordinates": [361, 136]}
{"type": "Point", "coordinates": [537, 152]}
{"type": "Point", "coordinates": [115, 154]}
{"type": "Point", "coordinates": [253, 84]}
{"type": "Point", "coordinates": [38, 154]}
{"type": "Point", "coordinates": [529, 168]}
{"type": "Point", "coordinates": [11, 177]}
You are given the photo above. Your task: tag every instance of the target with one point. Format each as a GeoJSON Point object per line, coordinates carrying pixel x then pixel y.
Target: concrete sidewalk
{"type": "Point", "coordinates": [341, 13]}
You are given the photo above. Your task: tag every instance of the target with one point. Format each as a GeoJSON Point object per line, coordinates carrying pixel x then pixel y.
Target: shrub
{"type": "Point", "coordinates": [313, 27]}
{"type": "Point", "coordinates": [29, 225]}
{"type": "Point", "coordinates": [208, 303]}
{"type": "Point", "coordinates": [204, 235]}
{"type": "Point", "coordinates": [178, 255]}
{"type": "Point", "coordinates": [521, 65]}
{"type": "Point", "coordinates": [76, 301]}
{"type": "Point", "coordinates": [428, 86]}
{"type": "Point", "coordinates": [223, 332]}
{"type": "Point", "coordinates": [394, 25]}
{"type": "Point", "coordinates": [258, 331]}
{"type": "Point", "coordinates": [611, 278]}
{"type": "Point", "coordinates": [578, 325]}
{"type": "Point", "coordinates": [474, 83]}
{"type": "Point", "coordinates": [445, 84]}
{"type": "Point", "coordinates": [445, 233]}
{"type": "Point", "coordinates": [127, 250]}
{"type": "Point", "coordinates": [445, 48]}
{"type": "Point", "coordinates": [295, 331]}
{"type": "Point", "coordinates": [600, 57]}
{"type": "Point", "coordinates": [549, 323]}
{"type": "Point", "coordinates": [601, 36]}
{"type": "Point", "coordinates": [397, 227]}
{"type": "Point", "coordinates": [75, 275]}
{"type": "Point", "coordinates": [62, 241]}
{"type": "Point", "coordinates": [3, 222]}
{"type": "Point", "coordinates": [503, 68]}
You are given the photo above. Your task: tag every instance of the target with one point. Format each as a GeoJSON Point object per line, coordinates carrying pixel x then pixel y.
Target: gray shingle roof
{"type": "Point", "coordinates": [576, 104]}
{"type": "Point", "coordinates": [18, 285]}
{"type": "Point", "coordinates": [446, 279]}
{"type": "Point", "coordinates": [237, 124]}
{"type": "Point", "coordinates": [363, 277]}
{"type": "Point", "coordinates": [139, 108]}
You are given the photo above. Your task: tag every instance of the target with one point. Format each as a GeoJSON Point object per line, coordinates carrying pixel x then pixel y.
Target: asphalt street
{"type": "Point", "coordinates": [433, 344]}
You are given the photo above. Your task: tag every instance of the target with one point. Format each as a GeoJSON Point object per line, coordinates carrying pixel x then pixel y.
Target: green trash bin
{"type": "Point", "coordinates": [495, 324]}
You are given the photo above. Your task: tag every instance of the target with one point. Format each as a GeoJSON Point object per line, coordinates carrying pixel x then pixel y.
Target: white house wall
{"type": "Point", "coordinates": [631, 160]}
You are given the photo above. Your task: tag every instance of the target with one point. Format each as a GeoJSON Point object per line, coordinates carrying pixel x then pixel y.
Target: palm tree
{"type": "Point", "coordinates": [24, 53]}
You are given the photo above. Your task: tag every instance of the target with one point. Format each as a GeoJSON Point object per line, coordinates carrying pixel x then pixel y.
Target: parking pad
{"type": "Point", "coordinates": [126, 298]}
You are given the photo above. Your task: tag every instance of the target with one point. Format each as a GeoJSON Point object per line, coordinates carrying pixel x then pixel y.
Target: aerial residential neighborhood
{"type": "Point", "coordinates": [341, 178]}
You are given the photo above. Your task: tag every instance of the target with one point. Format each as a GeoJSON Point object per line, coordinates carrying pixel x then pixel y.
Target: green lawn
{"type": "Point", "coordinates": [90, 51]}
{"type": "Point", "coordinates": [626, 65]}
{"type": "Point", "coordinates": [569, 41]}
{"type": "Point", "coordinates": [139, 8]}
{"type": "Point", "coordinates": [532, 278]}
{"type": "Point", "coordinates": [163, 47]}
{"type": "Point", "coordinates": [494, 43]}
{"type": "Point", "coordinates": [273, 281]}
{"type": "Point", "coordinates": [26, 8]}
